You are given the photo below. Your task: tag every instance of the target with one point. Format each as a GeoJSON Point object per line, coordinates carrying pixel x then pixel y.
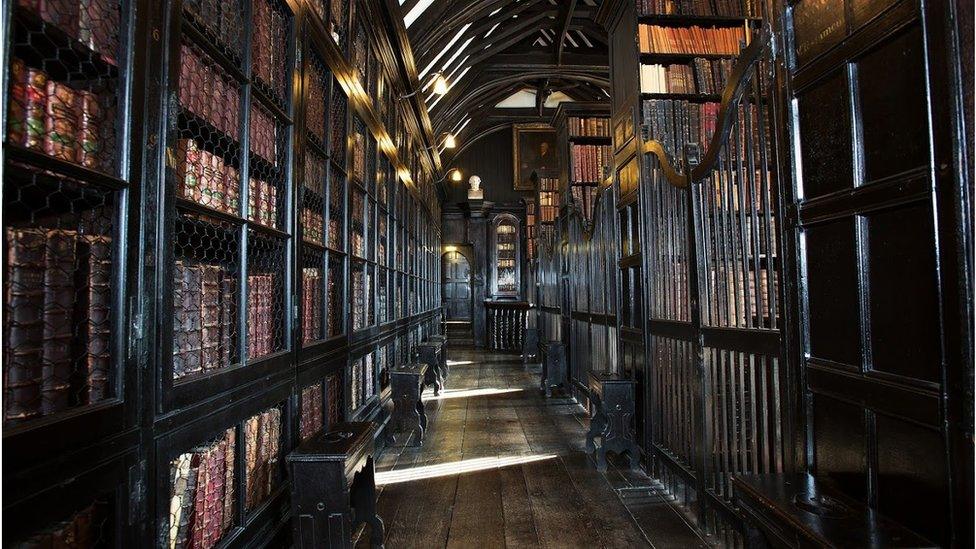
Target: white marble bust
{"type": "Point", "coordinates": [475, 192]}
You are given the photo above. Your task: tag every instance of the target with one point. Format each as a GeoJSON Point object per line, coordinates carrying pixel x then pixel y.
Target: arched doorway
{"type": "Point", "coordinates": [456, 276]}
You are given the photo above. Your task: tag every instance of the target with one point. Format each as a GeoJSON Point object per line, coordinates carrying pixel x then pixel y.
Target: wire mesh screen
{"type": "Point", "coordinates": [270, 29]}
{"type": "Point", "coordinates": [335, 237]}
{"type": "Point", "coordinates": [313, 200]}
{"type": "Point", "coordinates": [262, 449]}
{"type": "Point", "coordinates": [63, 112]}
{"type": "Point", "coordinates": [90, 527]}
{"type": "Point", "coordinates": [221, 22]}
{"type": "Point", "coordinates": [317, 100]}
{"type": "Point", "coordinates": [335, 321]}
{"type": "Point", "coordinates": [267, 191]}
{"type": "Point", "coordinates": [205, 292]}
{"type": "Point", "coordinates": [337, 120]}
{"type": "Point", "coordinates": [65, 81]}
{"type": "Point", "coordinates": [312, 412]}
{"type": "Point", "coordinates": [382, 293]}
{"type": "Point", "coordinates": [360, 273]}
{"type": "Point", "coordinates": [265, 295]}
{"type": "Point", "coordinates": [338, 22]}
{"type": "Point", "coordinates": [357, 222]}
{"type": "Point", "coordinates": [59, 277]}
{"type": "Point", "coordinates": [201, 494]}
{"type": "Point", "coordinates": [333, 384]}
{"type": "Point", "coordinates": [313, 300]}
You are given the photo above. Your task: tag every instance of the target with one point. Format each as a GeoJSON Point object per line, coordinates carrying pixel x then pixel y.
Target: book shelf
{"type": "Point", "coordinates": [583, 133]}
{"type": "Point", "coordinates": [183, 339]}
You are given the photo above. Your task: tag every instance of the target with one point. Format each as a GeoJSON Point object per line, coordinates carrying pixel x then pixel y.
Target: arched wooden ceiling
{"type": "Point", "coordinates": [491, 49]}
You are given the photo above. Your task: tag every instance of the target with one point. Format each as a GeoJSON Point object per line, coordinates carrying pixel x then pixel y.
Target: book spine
{"type": "Point", "coordinates": [25, 323]}
{"type": "Point", "coordinates": [90, 117]}
{"type": "Point", "coordinates": [59, 301]}
{"type": "Point", "coordinates": [96, 315]}
{"type": "Point", "coordinates": [61, 122]}
{"type": "Point", "coordinates": [210, 317]}
{"type": "Point", "coordinates": [28, 104]}
{"type": "Point", "coordinates": [227, 517]}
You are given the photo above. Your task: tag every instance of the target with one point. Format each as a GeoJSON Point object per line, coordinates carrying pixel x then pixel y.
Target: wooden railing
{"type": "Point", "coordinates": [506, 324]}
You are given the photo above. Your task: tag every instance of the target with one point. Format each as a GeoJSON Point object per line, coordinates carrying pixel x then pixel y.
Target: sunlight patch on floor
{"type": "Point", "coordinates": [459, 362]}
{"type": "Point", "coordinates": [468, 393]}
{"type": "Point", "coordinates": [456, 468]}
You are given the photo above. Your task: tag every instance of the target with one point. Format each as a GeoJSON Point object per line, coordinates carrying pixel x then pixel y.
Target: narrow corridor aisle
{"type": "Point", "coordinates": [501, 466]}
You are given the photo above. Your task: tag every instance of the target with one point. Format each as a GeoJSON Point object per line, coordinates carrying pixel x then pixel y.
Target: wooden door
{"type": "Point", "coordinates": [878, 260]}
{"type": "Point", "coordinates": [456, 274]}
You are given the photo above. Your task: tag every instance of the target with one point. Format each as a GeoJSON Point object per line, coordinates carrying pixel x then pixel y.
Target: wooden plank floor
{"type": "Point", "coordinates": [501, 466]}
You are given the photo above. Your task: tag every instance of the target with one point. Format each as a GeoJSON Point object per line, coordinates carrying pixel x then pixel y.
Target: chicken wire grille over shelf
{"type": "Point", "coordinates": [60, 268]}
{"type": "Point", "coordinates": [202, 505]}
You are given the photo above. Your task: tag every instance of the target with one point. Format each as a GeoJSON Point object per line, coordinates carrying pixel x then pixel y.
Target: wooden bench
{"type": "Point", "coordinates": [799, 510]}
{"type": "Point", "coordinates": [334, 488]}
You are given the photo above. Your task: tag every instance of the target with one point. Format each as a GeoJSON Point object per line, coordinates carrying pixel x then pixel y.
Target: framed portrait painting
{"type": "Point", "coordinates": [535, 156]}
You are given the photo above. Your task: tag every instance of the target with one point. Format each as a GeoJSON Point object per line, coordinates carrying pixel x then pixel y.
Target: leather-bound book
{"type": "Point", "coordinates": [273, 442]}
{"type": "Point", "coordinates": [228, 285]}
{"type": "Point", "coordinates": [191, 331]}
{"type": "Point", "coordinates": [90, 120]}
{"type": "Point", "coordinates": [251, 428]}
{"type": "Point", "coordinates": [61, 122]}
{"type": "Point", "coordinates": [199, 529]}
{"type": "Point", "coordinates": [186, 523]}
{"type": "Point", "coordinates": [188, 170]}
{"type": "Point", "coordinates": [28, 103]}
{"type": "Point", "coordinates": [210, 317]}
{"type": "Point", "coordinates": [227, 517]}
{"type": "Point", "coordinates": [179, 320]}
{"type": "Point", "coordinates": [99, 27]}
{"type": "Point", "coordinates": [179, 483]}
{"type": "Point", "coordinates": [60, 258]}
{"type": "Point", "coordinates": [211, 522]}
{"type": "Point", "coordinates": [24, 323]}
{"type": "Point", "coordinates": [94, 316]}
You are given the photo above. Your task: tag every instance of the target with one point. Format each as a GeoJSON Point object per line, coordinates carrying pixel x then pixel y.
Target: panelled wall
{"type": "Point", "coordinates": [194, 290]}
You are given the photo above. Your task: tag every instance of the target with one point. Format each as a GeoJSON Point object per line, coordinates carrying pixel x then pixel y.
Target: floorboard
{"type": "Point", "coordinates": [502, 466]}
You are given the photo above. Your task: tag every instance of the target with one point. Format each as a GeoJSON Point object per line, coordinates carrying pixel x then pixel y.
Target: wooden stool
{"type": "Point", "coordinates": [334, 488]}
{"type": "Point", "coordinates": [554, 367]}
{"type": "Point", "coordinates": [530, 345]}
{"type": "Point", "coordinates": [442, 339]}
{"type": "Point", "coordinates": [407, 386]}
{"type": "Point", "coordinates": [432, 354]}
{"type": "Point", "coordinates": [612, 420]}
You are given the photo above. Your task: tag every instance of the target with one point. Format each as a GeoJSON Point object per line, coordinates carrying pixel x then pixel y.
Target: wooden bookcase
{"type": "Point", "coordinates": [210, 251]}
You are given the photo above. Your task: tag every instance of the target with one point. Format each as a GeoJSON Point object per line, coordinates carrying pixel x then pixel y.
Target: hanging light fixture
{"type": "Point", "coordinates": [440, 84]}
{"type": "Point", "coordinates": [450, 141]}
{"type": "Point", "coordinates": [456, 175]}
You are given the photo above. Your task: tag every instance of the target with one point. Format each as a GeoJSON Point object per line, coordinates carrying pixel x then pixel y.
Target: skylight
{"type": "Point", "coordinates": [416, 12]}
{"type": "Point", "coordinates": [441, 53]}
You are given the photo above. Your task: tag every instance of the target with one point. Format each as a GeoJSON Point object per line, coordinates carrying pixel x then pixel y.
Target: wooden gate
{"type": "Point", "coordinates": [713, 315]}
